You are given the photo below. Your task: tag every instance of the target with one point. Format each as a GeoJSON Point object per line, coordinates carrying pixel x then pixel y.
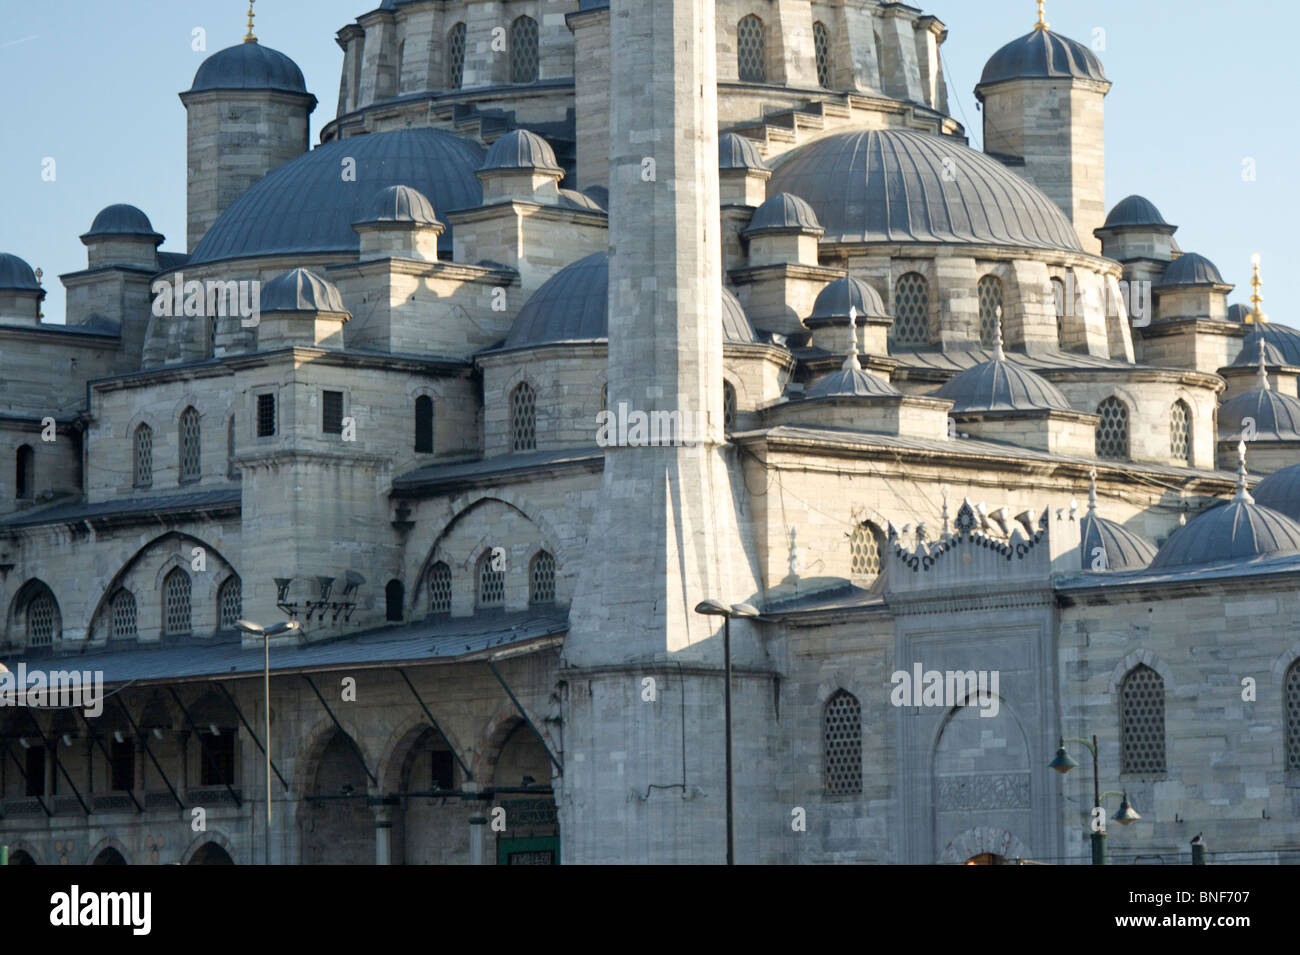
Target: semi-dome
{"type": "Point", "coordinates": [301, 290]}
{"type": "Point", "coordinates": [306, 205]}
{"type": "Point", "coordinates": [573, 306]}
{"type": "Point", "coordinates": [401, 204]}
{"type": "Point", "coordinates": [834, 301]}
{"type": "Point", "coordinates": [784, 213]}
{"type": "Point", "coordinates": [1280, 491]}
{"type": "Point", "coordinates": [1239, 530]}
{"type": "Point", "coordinates": [1276, 415]}
{"type": "Point", "coordinates": [904, 186]}
{"type": "Point", "coordinates": [1281, 345]}
{"type": "Point", "coordinates": [521, 149]}
{"type": "Point", "coordinates": [122, 219]}
{"type": "Point", "coordinates": [1135, 212]}
{"type": "Point", "coordinates": [1190, 268]}
{"type": "Point", "coordinates": [1121, 549]}
{"type": "Point", "coordinates": [737, 152]}
{"type": "Point", "coordinates": [999, 385]}
{"type": "Point", "coordinates": [249, 66]}
{"type": "Point", "coordinates": [16, 274]}
{"type": "Point", "coordinates": [1042, 54]}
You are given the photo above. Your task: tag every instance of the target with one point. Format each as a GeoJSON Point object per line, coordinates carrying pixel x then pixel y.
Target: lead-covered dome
{"type": "Point", "coordinates": [784, 213]}
{"type": "Point", "coordinates": [249, 66]}
{"type": "Point", "coordinates": [1276, 416]}
{"type": "Point", "coordinates": [1042, 54]}
{"type": "Point", "coordinates": [1188, 269]}
{"type": "Point", "coordinates": [1280, 491]}
{"type": "Point", "coordinates": [1238, 530]}
{"type": "Point", "coordinates": [1117, 546]}
{"type": "Point", "coordinates": [1281, 345]}
{"type": "Point", "coordinates": [307, 206]}
{"type": "Point", "coordinates": [16, 274]}
{"type": "Point", "coordinates": [521, 149]}
{"type": "Point", "coordinates": [901, 186]}
{"type": "Point", "coordinates": [834, 301]}
{"type": "Point", "coordinates": [122, 219]}
{"type": "Point", "coordinates": [401, 204]}
{"type": "Point", "coordinates": [301, 290]}
{"type": "Point", "coordinates": [851, 381]}
{"type": "Point", "coordinates": [1135, 212]}
{"type": "Point", "coordinates": [737, 152]}
{"type": "Point", "coordinates": [999, 385]}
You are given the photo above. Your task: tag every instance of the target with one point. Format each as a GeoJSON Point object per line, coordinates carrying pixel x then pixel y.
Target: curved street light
{"type": "Point", "coordinates": [1126, 815]}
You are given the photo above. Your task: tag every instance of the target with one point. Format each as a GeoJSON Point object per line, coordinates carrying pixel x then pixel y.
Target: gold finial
{"type": "Point", "coordinates": [1256, 313]}
{"type": "Point", "coordinates": [250, 38]}
{"type": "Point", "coordinates": [39, 275]}
{"type": "Point", "coordinates": [1042, 16]}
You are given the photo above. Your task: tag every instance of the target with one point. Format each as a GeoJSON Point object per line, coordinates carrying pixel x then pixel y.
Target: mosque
{"type": "Point", "coordinates": [957, 416]}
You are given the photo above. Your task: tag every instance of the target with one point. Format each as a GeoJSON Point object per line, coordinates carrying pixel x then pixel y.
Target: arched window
{"type": "Point", "coordinates": [990, 299]}
{"type": "Point", "coordinates": [439, 588]}
{"type": "Point", "coordinates": [1180, 432]}
{"type": "Point", "coordinates": [230, 603]}
{"type": "Point", "coordinates": [523, 50]}
{"type": "Point", "coordinates": [394, 595]}
{"type": "Point", "coordinates": [231, 470]}
{"type": "Point", "coordinates": [911, 310]}
{"type": "Point", "coordinates": [1112, 430]}
{"type": "Point", "coordinates": [751, 50]}
{"type": "Point", "coordinates": [866, 549]}
{"type": "Point", "coordinates": [456, 56]}
{"type": "Point", "coordinates": [177, 618]}
{"type": "Point", "coordinates": [24, 473]}
{"type": "Point", "coordinates": [541, 579]}
{"type": "Point", "coordinates": [728, 406]}
{"type": "Point", "coordinates": [123, 616]}
{"type": "Point", "coordinates": [1292, 713]}
{"type": "Point", "coordinates": [143, 458]}
{"type": "Point", "coordinates": [491, 578]}
{"type": "Point", "coordinates": [523, 418]}
{"type": "Point", "coordinates": [1058, 301]}
{"type": "Point", "coordinates": [842, 738]}
{"type": "Point", "coordinates": [1142, 721]}
{"type": "Point", "coordinates": [189, 446]}
{"type": "Point", "coordinates": [42, 620]}
{"type": "Point", "coordinates": [424, 425]}
{"type": "Point", "coordinates": [822, 50]}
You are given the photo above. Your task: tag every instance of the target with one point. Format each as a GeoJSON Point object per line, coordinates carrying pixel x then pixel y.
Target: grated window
{"type": "Point", "coordinates": [1112, 430]}
{"type": "Point", "coordinates": [1293, 717]}
{"type": "Point", "coordinates": [1180, 433]}
{"type": "Point", "coordinates": [523, 418]}
{"type": "Point", "coordinates": [542, 579]}
{"type": "Point", "coordinates": [189, 435]}
{"type": "Point", "coordinates": [424, 425]}
{"type": "Point", "coordinates": [176, 603]}
{"type": "Point", "coordinates": [842, 736]}
{"type": "Point", "coordinates": [751, 50]}
{"type": "Point", "coordinates": [332, 412]}
{"type": "Point", "coordinates": [911, 310]}
{"type": "Point", "coordinates": [40, 621]}
{"type": "Point", "coordinates": [523, 50]}
{"type": "Point", "coordinates": [865, 549]}
{"type": "Point", "coordinates": [143, 456]}
{"type": "Point", "coordinates": [491, 581]}
{"type": "Point", "coordinates": [124, 616]}
{"type": "Point", "coordinates": [230, 603]}
{"type": "Point", "coordinates": [265, 416]}
{"type": "Point", "coordinates": [440, 588]}
{"type": "Point", "coordinates": [456, 57]}
{"type": "Point", "coordinates": [1142, 721]}
{"type": "Point", "coordinates": [822, 48]}
{"type": "Point", "coordinates": [990, 299]}
{"type": "Point", "coordinates": [728, 406]}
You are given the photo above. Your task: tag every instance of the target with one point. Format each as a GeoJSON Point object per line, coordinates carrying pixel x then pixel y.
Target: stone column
{"type": "Point", "coordinates": [383, 834]}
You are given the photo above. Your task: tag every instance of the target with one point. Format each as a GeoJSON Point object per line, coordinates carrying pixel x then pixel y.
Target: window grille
{"type": "Point", "coordinates": [40, 621]}
{"type": "Point", "coordinates": [1142, 721]}
{"type": "Point", "coordinates": [332, 412]}
{"type": "Point", "coordinates": [491, 583]}
{"type": "Point", "coordinates": [124, 625]}
{"type": "Point", "coordinates": [1112, 430]}
{"type": "Point", "coordinates": [542, 579]}
{"type": "Point", "coordinates": [143, 456]}
{"type": "Point", "coordinates": [1180, 432]}
{"type": "Point", "coordinates": [865, 548]}
{"type": "Point", "coordinates": [523, 50]}
{"type": "Point", "coordinates": [822, 49]}
{"type": "Point", "coordinates": [265, 416]}
{"type": "Point", "coordinates": [440, 588]}
{"type": "Point", "coordinates": [230, 603]}
{"type": "Point", "coordinates": [189, 434]}
{"type": "Point", "coordinates": [1292, 696]}
{"type": "Point", "coordinates": [523, 418]}
{"type": "Point", "coordinates": [842, 734]}
{"type": "Point", "coordinates": [728, 406]}
{"type": "Point", "coordinates": [424, 425]}
{"type": "Point", "coordinates": [456, 57]}
{"type": "Point", "coordinates": [911, 310]}
{"type": "Point", "coordinates": [990, 300]}
{"type": "Point", "coordinates": [751, 50]}
{"type": "Point", "coordinates": [176, 603]}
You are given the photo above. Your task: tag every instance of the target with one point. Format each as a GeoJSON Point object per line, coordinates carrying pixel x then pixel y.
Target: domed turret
{"type": "Point", "coordinates": [122, 235]}
{"type": "Point", "coordinates": [400, 222]}
{"type": "Point", "coordinates": [831, 309]}
{"type": "Point", "coordinates": [742, 174]}
{"type": "Point", "coordinates": [521, 165]}
{"type": "Point", "coordinates": [301, 308]}
{"type": "Point", "coordinates": [783, 230]}
{"type": "Point", "coordinates": [20, 291]}
{"type": "Point", "coordinates": [1135, 231]}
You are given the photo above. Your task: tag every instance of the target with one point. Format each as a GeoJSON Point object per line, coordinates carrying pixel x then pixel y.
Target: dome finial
{"type": "Point", "coordinates": [1242, 493]}
{"type": "Point", "coordinates": [851, 363]}
{"type": "Point", "coordinates": [1263, 369]}
{"type": "Point", "coordinates": [250, 38]}
{"type": "Point", "coordinates": [1256, 313]}
{"type": "Point", "coordinates": [998, 353]}
{"type": "Point", "coordinates": [1092, 490]}
{"type": "Point", "coordinates": [1042, 16]}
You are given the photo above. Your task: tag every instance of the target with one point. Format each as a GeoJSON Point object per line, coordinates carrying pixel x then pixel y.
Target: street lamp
{"type": "Point", "coordinates": [1126, 815]}
{"type": "Point", "coordinates": [714, 608]}
{"type": "Point", "coordinates": [266, 633]}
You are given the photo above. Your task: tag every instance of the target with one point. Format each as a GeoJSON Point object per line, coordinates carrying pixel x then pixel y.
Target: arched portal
{"type": "Point", "coordinates": [211, 854]}
{"type": "Point", "coordinates": [338, 828]}
{"type": "Point", "coordinates": [532, 833]}
{"type": "Point", "coordinates": [109, 856]}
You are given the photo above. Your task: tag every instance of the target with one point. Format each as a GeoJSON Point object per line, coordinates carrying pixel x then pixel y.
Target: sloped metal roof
{"type": "Point", "coordinates": [78, 510]}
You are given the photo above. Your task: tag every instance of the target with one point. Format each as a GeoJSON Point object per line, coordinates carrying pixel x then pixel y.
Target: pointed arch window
{"type": "Point", "coordinates": [1112, 430]}
{"type": "Point", "coordinates": [728, 406]}
{"type": "Point", "coordinates": [822, 50]}
{"type": "Point", "coordinates": [177, 615]}
{"type": "Point", "coordinates": [866, 550]}
{"type": "Point", "coordinates": [523, 418]}
{"type": "Point", "coordinates": [1180, 432]}
{"type": "Point", "coordinates": [1142, 721]}
{"type": "Point", "coordinates": [24, 473]}
{"type": "Point", "coordinates": [123, 617]}
{"type": "Point", "coordinates": [424, 425]}
{"type": "Point", "coordinates": [439, 588]}
{"type": "Point", "coordinates": [842, 743]}
{"type": "Point", "coordinates": [541, 579]}
{"type": "Point", "coordinates": [911, 310]}
{"type": "Point", "coordinates": [456, 56]}
{"type": "Point", "coordinates": [143, 457]}
{"type": "Point", "coordinates": [42, 620]}
{"type": "Point", "coordinates": [230, 603]}
{"type": "Point", "coordinates": [751, 50]}
{"type": "Point", "coordinates": [523, 50]}
{"type": "Point", "coordinates": [990, 300]}
{"type": "Point", "coordinates": [190, 465]}
{"type": "Point", "coordinates": [491, 580]}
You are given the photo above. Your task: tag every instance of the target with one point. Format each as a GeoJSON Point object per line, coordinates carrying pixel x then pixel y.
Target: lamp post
{"type": "Point", "coordinates": [1126, 815]}
{"type": "Point", "coordinates": [266, 633]}
{"type": "Point", "coordinates": [714, 608]}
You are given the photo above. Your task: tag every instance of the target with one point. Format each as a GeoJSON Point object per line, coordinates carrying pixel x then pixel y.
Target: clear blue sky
{"type": "Point", "coordinates": [93, 85]}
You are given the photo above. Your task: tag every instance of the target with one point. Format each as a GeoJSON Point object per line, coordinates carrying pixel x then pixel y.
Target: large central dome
{"type": "Point", "coordinates": [307, 205]}
{"type": "Point", "coordinates": [897, 185]}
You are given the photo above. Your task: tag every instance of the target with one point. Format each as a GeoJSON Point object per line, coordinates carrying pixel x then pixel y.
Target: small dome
{"type": "Point", "coordinates": [1281, 345]}
{"type": "Point", "coordinates": [122, 219]}
{"type": "Point", "coordinates": [1276, 416]}
{"type": "Point", "coordinates": [1123, 549]}
{"type": "Point", "coordinates": [1135, 211]}
{"type": "Point", "coordinates": [401, 204]}
{"type": "Point", "coordinates": [249, 66]}
{"type": "Point", "coordinates": [1280, 491]}
{"type": "Point", "coordinates": [1042, 54]}
{"type": "Point", "coordinates": [521, 149]}
{"type": "Point", "coordinates": [834, 301]}
{"type": "Point", "coordinates": [1190, 269]}
{"type": "Point", "coordinates": [998, 385]}
{"type": "Point", "coordinates": [16, 274]}
{"type": "Point", "coordinates": [736, 329]}
{"type": "Point", "coordinates": [855, 382]}
{"type": "Point", "coordinates": [1237, 313]}
{"type": "Point", "coordinates": [784, 213]}
{"type": "Point", "coordinates": [579, 200]}
{"type": "Point", "coordinates": [737, 152]}
{"type": "Point", "coordinates": [1238, 530]}
{"type": "Point", "coordinates": [301, 290]}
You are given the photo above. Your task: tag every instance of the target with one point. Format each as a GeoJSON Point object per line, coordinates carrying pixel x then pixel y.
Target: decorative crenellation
{"type": "Point", "coordinates": [975, 526]}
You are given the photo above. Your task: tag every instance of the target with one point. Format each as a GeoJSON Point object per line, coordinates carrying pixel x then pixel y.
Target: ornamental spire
{"type": "Point", "coordinates": [1092, 490]}
{"type": "Point", "coordinates": [851, 363]}
{"type": "Point", "coordinates": [1256, 313]}
{"type": "Point", "coordinates": [1042, 17]}
{"type": "Point", "coordinates": [998, 353]}
{"type": "Point", "coordinates": [1263, 369]}
{"type": "Point", "coordinates": [250, 38]}
{"type": "Point", "coordinates": [1242, 493]}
